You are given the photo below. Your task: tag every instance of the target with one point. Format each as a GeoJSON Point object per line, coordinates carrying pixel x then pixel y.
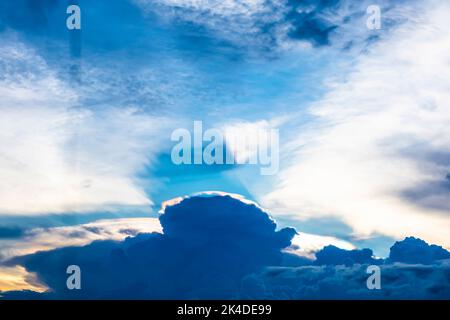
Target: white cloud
{"type": "Point", "coordinates": [56, 156]}
{"type": "Point", "coordinates": [306, 244]}
{"type": "Point", "coordinates": [268, 23]}
{"type": "Point", "coordinates": [375, 137]}
{"type": "Point", "coordinates": [243, 138]}
{"type": "Point", "coordinates": [238, 21]}
{"type": "Point", "coordinates": [215, 7]}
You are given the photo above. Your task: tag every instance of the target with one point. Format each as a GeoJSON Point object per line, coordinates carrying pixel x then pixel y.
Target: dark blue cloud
{"type": "Point", "coordinates": [414, 270]}
{"type": "Point", "coordinates": [220, 247]}
{"type": "Point", "coordinates": [413, 250]}
{"type": "Point", "coordinates": [331, 255]}
{"type": "Point", "coordinates": [410, 250]}
{"type": "Point", "coordinates": [209, 244]}
{"type": "Point", "coordinates": [349, 282]}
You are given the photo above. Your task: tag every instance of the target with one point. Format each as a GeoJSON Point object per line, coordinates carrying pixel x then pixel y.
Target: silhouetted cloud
{"type": "Point", "coordinates": [209, 244]}
{"type": "Point", "coordinates": [413, 250]}
{"type": "Point", "coordinates": [331, 255]}
{"type": "Point", "coordinates": [219, 246]}
{"type": "Point", "coordinates": [398, 281]}
{"type": "Point", "coordinates": [342, 274]}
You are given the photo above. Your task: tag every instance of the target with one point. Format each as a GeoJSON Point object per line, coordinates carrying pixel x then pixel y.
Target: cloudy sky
{"type": "Point", "coordinates": [86, 118]}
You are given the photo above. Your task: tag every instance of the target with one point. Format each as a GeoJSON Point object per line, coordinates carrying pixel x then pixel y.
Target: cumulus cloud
{"type": "Point", "coordinates": [414, 270]}
{"type": "Point", "coordinates": [208, 244]}
{"type": "Point", "coordinates": [398, 281]}
{"type": "Point", "coordinates": [331, 255]}
{"type": "Point", "coordinates": [413, 250]}
{"type": "Point", "coordinates": [216, 246]}
{"type": "Point", "coordinates": [380, 133]}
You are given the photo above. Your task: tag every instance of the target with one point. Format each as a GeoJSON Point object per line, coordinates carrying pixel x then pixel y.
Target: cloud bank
{"type": "Point", "coordinates": [220, 247]}
{"type": "Point", "coordinates": [208, 244]}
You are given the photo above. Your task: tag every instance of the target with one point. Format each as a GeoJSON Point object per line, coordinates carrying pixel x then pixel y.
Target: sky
{"type": "Point", "coordinates": [87, 116]}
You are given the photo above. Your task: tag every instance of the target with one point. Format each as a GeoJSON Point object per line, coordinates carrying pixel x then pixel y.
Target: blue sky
{"type": "Point", "coordinates": [86, 116]}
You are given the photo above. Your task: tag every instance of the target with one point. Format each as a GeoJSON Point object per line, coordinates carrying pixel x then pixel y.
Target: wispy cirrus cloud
{"type": "Point", "coordinates": [377, 134]}
{"type": "Point", "coordinates": [275, 25]}
{"type": "Point", "coordinates": [56, 153]}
